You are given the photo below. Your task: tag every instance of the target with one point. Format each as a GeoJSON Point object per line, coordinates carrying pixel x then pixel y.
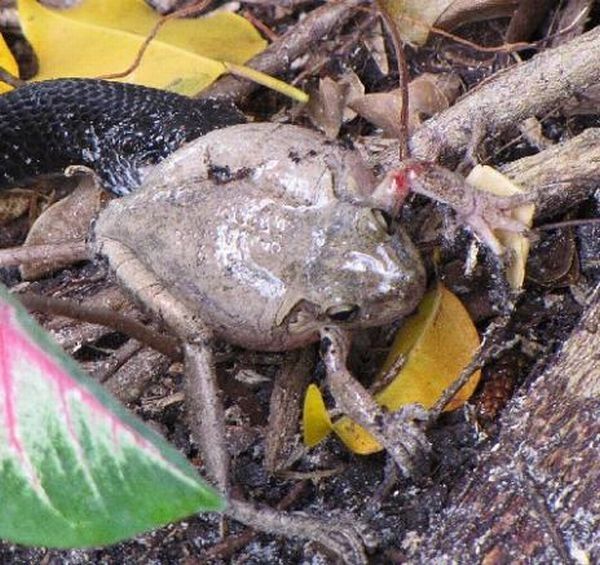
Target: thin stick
{"type": "Point", "coordinates": [106, 317]}
{"type": "Point", "coordinates": [491, 347]}
{"type": "Point", "coordinates": [46, 254]}
{"type": "Point", "coordinates": [403, 149]}
{"type": "Point", "coordinates": [293, 44]}
{"type": "Point", "coordinates": [226, 548]}
{"type": "Point", "coordinates": [505, 47]}
{"type": "Point", "coordinates": [188, 11]}
{"type": "Point", "coordinates": [568, 224]}
{"type": "Point", "coordinates": [9, 78]}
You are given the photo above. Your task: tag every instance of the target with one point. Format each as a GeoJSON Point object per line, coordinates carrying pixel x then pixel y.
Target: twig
{"type": "Point", "coordinates": [568, 224]}
{"type": "Point", "coordinates": [526, 89]}
{"type": "Point", "coordinates": [278, 56]}
{"type": "Point", "coordinates": [11, 79]}
{"type": "Point", "coordinates": [260, 25]}
{"type": "Point", "coordinates": [359, 28]}
{"type": "Point", "coordinates": [187, 11]}
{"type": "Point", "coordinates": [105, 317]}
{"type": "Point", "coordinates": [117, 360]}
{"type": "Point", "coordinates": [47, 254]}
{"type": "Point", "coordinates": [508, 47]}
{"type": "Point", "coordinates": [491, 347]}
{"type": "Point", "coordinates": [561, 176]}
{"type": "Point", "coordinates": [517, 138]}
{"type": "Point", "coordinates": [403, 77]}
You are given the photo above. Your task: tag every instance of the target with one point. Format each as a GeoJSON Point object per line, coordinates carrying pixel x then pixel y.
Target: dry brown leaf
{"type": "Point", "coordinates": [428, 95]}
{"type": "Point", "coordinates": [413, 18]}
{"type": "Point", "coordinates": [461, 12]}
{"type": "Point", "coordinates": [69, 219]}
{"type": "Point", "coordinates": [375, 43]}
{"type": "Point", "coordinates": [13, 204]}
{"type": "Point", "coordinates": [328, 107]}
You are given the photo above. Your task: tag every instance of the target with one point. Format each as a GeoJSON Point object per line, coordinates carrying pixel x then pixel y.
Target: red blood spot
{"type": "Point", "coordinates": [402, 177]}
{"type": "Point", "coordinates": [401, 184]}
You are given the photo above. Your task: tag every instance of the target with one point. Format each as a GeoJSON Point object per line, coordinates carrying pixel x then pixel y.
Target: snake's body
{"type": "Point", "coordinates": [114, 128]}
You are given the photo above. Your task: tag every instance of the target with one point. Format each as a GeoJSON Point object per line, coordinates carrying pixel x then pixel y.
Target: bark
{"type": "Point", "coordinates": [527, 89]}
{"type": "Point", "coordinates": [534, 495]}
{"type": "Point", "coordinates": [561, 176]}
{"type": "Point", "coordinates": [279, 55]}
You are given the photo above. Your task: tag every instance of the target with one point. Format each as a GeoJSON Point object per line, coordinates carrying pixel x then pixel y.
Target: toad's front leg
{"type": "Point", "coordinates": [400, 433]}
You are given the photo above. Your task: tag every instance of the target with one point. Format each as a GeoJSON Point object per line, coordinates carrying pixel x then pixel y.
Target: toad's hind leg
{"type": "Point", "coordinates": [344, 539]}
{"type": "Point", "coordinates": [289, 388]}
{"type": "Point", "coordinates": [206, 412]}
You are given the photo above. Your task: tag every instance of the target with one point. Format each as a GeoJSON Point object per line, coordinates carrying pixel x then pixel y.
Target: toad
{"type": "Point", "coordinates": [272, 238]}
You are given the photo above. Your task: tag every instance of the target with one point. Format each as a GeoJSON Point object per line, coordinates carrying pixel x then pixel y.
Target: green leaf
{"type": "Point", "coordinates": [76, 469]}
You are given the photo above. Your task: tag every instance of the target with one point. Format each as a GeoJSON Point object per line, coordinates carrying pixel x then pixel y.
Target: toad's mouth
{"type": "Point", "coordinates": [300, 317]}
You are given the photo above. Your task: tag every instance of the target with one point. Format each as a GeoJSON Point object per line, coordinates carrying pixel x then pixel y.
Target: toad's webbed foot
{"type": "Point", "coordinates": [345, 537]}
{"type": "Point", "coordinates": [406, 428]}
{"type": "Point", "coordinates": [401, 433]}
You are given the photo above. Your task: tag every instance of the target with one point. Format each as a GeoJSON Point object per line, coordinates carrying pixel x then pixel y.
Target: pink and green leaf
{"type": "Point", "coordinates": [76, 469]}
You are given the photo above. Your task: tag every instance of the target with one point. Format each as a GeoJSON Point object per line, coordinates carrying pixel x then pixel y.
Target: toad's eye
{"type": "Point", "coordinates": [342, 312]}
{"type": "Point", "coordinates": [384, 221]}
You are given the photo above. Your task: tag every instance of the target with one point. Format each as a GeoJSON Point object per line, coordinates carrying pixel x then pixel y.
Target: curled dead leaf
{"type": "Point", "coordinates": [329, 107]}
{"type": "Point", "coordinates": [428, 95]}
{"type": "Point", "coordinates": [462, 12]}
{"type": "Point", "coordinates": [414, 19]}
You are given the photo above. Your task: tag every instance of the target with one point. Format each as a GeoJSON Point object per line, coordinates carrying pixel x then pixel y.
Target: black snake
{"type": "Point", "coordinates": [114, 128]}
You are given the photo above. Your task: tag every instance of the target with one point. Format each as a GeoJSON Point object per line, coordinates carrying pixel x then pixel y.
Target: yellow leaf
{"type": "Point", "coordinates": [315, 419]}
{"type": "Point", "coordinates": [437, 342]}
{"type": "Point", "coordinates": [489, 179]}
{"type": "Point", "coordinates": [7, 61]}
{"type": "Point", "coordinates": [355, 437]}
{"type": "Point", "coordinates": [102, 37]}
{"type": "Point", "coordinates": [268, 81]}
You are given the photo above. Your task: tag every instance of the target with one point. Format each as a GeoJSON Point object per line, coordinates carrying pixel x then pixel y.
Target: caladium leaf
{"type": "Point", "coordinates": [76, 469]}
